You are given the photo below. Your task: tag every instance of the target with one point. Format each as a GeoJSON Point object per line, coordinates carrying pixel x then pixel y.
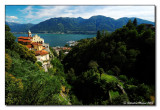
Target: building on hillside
{"type": "Point", "coordinates": [72, 43]}
{"type": "Point", "coordinates": [37, 39]}
{"type": "Point", "coordinates": [24, 40]}
{"type": "Point", "coordinates": [29, 34]}
{"type": "Point", "coordinates": [64, 49]}
{"type": "Point", "coordinates": [46, 47]}
{"type": "Point", "coordinates": [43, 57]}
{"type": "Point", "coordinates": [37, 44]}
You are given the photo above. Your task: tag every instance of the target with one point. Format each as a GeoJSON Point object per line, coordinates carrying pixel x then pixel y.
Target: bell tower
{"type": "Point", "coordinates": [29, 34]}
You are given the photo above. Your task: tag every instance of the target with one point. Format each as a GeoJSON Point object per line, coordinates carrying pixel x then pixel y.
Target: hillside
{"type": "Point", "coordinates": [75, 25]}
{"type": "Point", "coordinates": [110, 69]}
{"type": "Point", "coordinates": [16, 27]}
{"type": "Point", "coordinates": [103, 69]}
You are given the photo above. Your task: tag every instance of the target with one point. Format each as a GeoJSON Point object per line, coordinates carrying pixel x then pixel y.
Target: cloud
{"type": "Point", "coordinates": [44, 12]}
{"type": "Point", "coordinates": [144, 12]}
{"type": "Point", "coordinates": [12, 17]}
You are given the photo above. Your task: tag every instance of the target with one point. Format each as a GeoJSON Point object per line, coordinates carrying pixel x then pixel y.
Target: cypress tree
{"type": "Point", "coordinates": [135, 22]}
{"type": "Point", "coordinates": [98, 35]}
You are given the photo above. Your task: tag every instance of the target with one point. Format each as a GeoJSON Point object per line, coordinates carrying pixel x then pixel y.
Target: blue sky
{"type": "Point", "coordinates": [35, 14]}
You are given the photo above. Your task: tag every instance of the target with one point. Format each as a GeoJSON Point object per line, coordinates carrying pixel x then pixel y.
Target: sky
{"type": "Point", "coordinates": [37, 13]}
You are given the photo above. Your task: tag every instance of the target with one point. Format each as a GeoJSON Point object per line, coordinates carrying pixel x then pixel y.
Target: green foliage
{"type": "Point", "coordinates": [18, 27]}
{"type": "Point", "coordinates": [66, 45]}
{"type": "Point", "coordinates": [7, 28]}
{"type": "Point", "coordinates": [135, 22]}
{"type": "Point", "coordinates": [9, 40]}
{"type": "Point", "coordinates": [113, 94]}
{"type": "Point", "coordinates": [95, 68]}
{"type": "Point", "coordinates": [123, 78]}
{"type": "Point", "coordinates": [139, 93]}
{"type": "Point", "coordinates": [39, 63]}
{"type": "Point", "coordinates": [13, 90]}
{"type": "Point", "coordinates": [71, 77]}
{"type": "Point", "coordinates": [93, 65]}
{"type": "Point", "coordinates": [119, 100]}
{"type": "Point", "coordinates": [130, 24]}
{"type": "Point", "coordinates": [126, 55]}
{"type": "Point", "coordinates": [75, 101]}
{"type": "Point", "coordinates": [101, 71]}
{"type": "Point", "coordinates": [109, 78]}
{"type": "Point", "coordinates": [57, 64]}
{"type": "Point", "coordinates": [53, 52]}
{"type": "Point", "coordinates": [61, 55]}
{"type": "Point", "coordinates": [116, 70]}
{"type": "Point", "coordinates": [98, 35]}
{"type": "Point", "coordinates": [28, 84]}
{"type": "Point", "coordinates": [82, 26]}
{"type": "Point", "coordinates": [25, 53]}
{"type": "Point", "coordinates": [39, 87]}
{"type": "Point", "coordinates": [8, 62]}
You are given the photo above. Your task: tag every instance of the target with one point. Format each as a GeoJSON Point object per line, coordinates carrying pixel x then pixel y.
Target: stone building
{"type": "Point", "coordinates": [37, 44]}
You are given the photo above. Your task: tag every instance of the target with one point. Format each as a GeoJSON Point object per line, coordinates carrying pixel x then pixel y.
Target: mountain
{"type": "Point", "coordinates": [76, 25]}
{"type": "Point", "coordinates": [16, 27]}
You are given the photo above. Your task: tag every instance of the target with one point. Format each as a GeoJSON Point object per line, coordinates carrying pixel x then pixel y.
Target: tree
{"type": "Point", "coordinates": [66, 45]}
{"type": "Point", "coordinates": [7, 28]}
{"type": "Point", "coordinates": [25, 53]}
{"type": "Point", "coordinates": [130, 24]}
{"type": "Point", "coordinates": [119, 100]}
{"type": "Point", "coordinates": [98, 34]}
{"type": "Point", "coordinates": [8, 62]}
{"type": "Point", "coordinates": [101, 71]}
{"type": "Point", "coordinates": [13, 90]}
{"type": "Point", "coordinates": [93, 65]}
{"type": "Point", "coordinates": [135, 22]}
{"type": "Point", "coordinates": [116, 70]}
{"type": "Point", "coordinates": [9, 40]}
{"type": "Point", "coordinates": [39, 63]}
{"type": "Point", "coordinates": [61, 55]}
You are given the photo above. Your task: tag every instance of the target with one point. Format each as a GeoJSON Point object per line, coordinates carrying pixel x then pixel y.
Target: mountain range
{"type": "Point", "coordinates": [75, 25]}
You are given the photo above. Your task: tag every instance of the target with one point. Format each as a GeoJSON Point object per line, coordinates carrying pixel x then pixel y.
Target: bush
{"type": "Point", "coordinates": [123, 78]}
{"type": "Point", "coordinates": [8, 62]}
{"type": "Point", "coordinates": [13, 90]}
{"type": "Point", "coordinates": [39, 63]}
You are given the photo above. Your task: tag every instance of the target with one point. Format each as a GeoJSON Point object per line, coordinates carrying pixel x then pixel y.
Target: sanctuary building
{"type": "Point", "coordinates": [36, 43]}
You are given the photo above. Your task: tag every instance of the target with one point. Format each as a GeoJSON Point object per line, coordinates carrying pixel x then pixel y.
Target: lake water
{"type": "Point", "coordinates": [59, 39]}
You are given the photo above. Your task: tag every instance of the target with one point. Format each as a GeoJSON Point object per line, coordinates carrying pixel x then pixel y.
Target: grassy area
{"type": "Point", "coordinates": [109, 78]}
{"type": "Point", "coordinates": [113, 94]}
{"type": "Point", "coordinates": [121, 83]}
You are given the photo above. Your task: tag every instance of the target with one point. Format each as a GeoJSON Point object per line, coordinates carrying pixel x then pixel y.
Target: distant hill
{"type": "Point", "coordinates": [75, 25]}
{"type": "Point", "coordinates": [16, 27]}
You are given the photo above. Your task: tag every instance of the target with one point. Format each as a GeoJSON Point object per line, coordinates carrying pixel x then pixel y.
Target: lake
{"type": "Point", "coordinates": [59, 39]}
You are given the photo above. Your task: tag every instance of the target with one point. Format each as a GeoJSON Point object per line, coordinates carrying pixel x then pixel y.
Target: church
{"type": "Point", "coordinates": [36, 43]}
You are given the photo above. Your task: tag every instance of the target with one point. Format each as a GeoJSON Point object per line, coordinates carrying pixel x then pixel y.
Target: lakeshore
{"type": "Point", "coordinates": [60, 39]}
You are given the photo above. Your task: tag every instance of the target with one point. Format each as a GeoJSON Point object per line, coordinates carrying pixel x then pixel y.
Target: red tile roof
{"type": "Point", "coordinates": [21, 37]}
{"type": "Point", "coordinates": [29, 46]}
{"type": "Point", "coordinates": [44, 47]}
{"type": "Point", "coordinates": [41, 52]}
{"type": "Point", "coordinates": [66, 48]}
{"type": "Point", "coordinates": [24, 40]}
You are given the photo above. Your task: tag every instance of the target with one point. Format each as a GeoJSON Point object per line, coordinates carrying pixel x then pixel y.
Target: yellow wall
{"type": "Point", "coordinates": [38, 47]}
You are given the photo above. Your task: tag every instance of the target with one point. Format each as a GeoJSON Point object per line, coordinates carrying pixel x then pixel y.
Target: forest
{"type": "Point", "coordinates": [115, 68]}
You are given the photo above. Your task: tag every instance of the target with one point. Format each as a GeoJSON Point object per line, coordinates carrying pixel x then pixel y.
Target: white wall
{"type": "Point", "coordinates": [42, 58]}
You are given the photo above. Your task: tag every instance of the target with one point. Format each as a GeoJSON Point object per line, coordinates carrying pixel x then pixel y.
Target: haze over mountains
{"type": "Point", "coordinates": [75, 25]}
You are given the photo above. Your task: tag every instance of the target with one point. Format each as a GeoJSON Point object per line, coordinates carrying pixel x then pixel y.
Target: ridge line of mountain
{"type": "Point", "coordinates": [75, 25]}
